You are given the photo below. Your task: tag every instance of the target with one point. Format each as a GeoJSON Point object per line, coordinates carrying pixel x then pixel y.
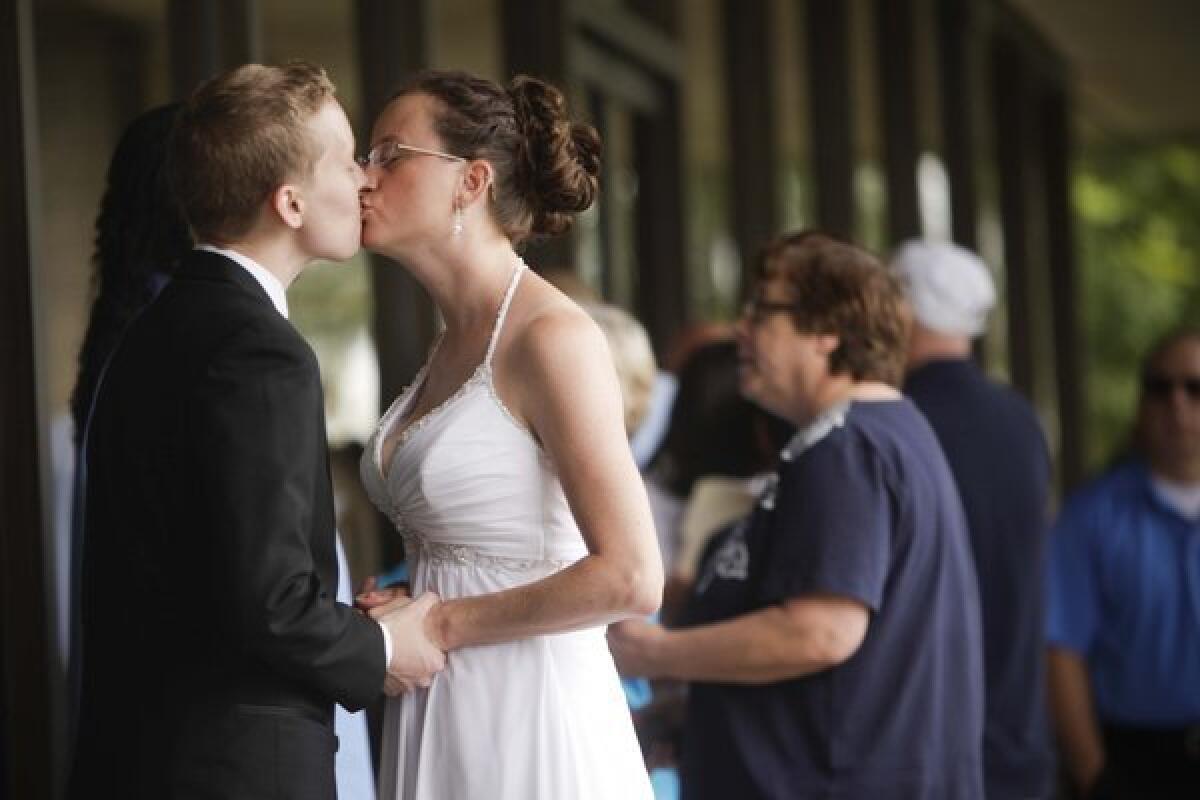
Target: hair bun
{"type": "Point", "coordinates": [561, 158]}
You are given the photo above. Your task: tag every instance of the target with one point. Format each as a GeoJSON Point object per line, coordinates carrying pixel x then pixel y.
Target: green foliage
{"type": "Point", "coordinates": [1138, 208]}
{"type": "Point", "coordinates": [331, 302]}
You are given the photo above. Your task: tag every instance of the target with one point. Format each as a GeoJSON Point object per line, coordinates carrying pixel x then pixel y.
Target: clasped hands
{"type": "Point", "coordinates": [416, 654]}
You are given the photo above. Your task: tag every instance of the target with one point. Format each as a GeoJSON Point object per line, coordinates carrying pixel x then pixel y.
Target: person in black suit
{"type": "Point", "coordinates": [213, 649]}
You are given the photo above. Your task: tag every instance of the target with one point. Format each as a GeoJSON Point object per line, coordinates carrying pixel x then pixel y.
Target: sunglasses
{"type": "Point", "coordinates": [1162, 387]}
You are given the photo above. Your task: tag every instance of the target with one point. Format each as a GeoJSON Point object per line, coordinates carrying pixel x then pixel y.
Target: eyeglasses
{"type": "Point", "coordinates": [385, 154]}
{"type": "Point", "coordinates": [757, 309]}
{"type": "Point", "coordinates": [1162, 387]}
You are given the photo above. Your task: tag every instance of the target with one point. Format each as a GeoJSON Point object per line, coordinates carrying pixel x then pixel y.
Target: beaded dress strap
{"type": "Point", "coordinates": [500, 317]}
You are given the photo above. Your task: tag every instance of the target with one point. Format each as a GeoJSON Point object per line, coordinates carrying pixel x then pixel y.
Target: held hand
{"type": "Point", "coordinates": [371, 596]}
{"type": "Point", "coordinates": [634, 645]}
{"type": "Point", "coordinates": [415, 659]}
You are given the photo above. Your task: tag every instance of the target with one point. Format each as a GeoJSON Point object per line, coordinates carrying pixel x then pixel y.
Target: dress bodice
{"type": "Point", "coordinates": [467, 482]}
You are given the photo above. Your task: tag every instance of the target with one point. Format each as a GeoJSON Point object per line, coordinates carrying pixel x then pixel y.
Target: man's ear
{"type": "Point", "coordinates": [288, 203]}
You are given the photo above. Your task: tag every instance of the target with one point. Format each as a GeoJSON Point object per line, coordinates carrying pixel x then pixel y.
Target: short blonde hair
{"type": "Point", "coordinates": [239, 137]}
{"type": "Point", "coordinates": [632, 356]}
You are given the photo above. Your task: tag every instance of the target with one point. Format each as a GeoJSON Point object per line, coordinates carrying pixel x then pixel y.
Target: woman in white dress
{"type": "Point", "coordinates": [505, 465]}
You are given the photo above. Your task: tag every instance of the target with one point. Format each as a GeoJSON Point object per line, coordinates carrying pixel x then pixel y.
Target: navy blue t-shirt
{"type": "Point", "coordinates": [868, 510]}
{"type": "Point", "coordinates": [996, 451]}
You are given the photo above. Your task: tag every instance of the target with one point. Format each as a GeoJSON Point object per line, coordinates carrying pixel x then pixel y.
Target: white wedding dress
{"type": "Point", "coordinates": [481, 509]}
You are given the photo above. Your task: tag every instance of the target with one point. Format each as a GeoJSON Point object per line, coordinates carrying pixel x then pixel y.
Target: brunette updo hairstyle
{"type": "Point", "coordinates": [546, 166]}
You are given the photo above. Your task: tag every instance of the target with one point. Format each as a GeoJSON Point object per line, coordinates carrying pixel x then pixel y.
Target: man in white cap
{"type": "Point", "coordinates": [999, 458]}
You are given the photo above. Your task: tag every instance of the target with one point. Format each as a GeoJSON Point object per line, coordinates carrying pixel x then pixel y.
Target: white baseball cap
{"type": "Point", "coordinates": [949, 287]}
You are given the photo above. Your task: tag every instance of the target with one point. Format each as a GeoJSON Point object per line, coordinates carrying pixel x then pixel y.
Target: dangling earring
{"type": "Point", "coordinates": [456, 231]}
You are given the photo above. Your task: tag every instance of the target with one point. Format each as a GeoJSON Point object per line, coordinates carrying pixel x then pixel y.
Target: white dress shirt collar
{"type": "Point", "coordinates": [1184, 498]}
{"type": "Point", "coordinates": [270, 284]}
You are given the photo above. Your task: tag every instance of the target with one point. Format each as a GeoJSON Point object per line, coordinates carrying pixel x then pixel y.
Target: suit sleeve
{"type": "Point", "coordinates": [258, 461]}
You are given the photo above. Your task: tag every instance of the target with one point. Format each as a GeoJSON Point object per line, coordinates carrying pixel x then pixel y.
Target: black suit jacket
{"type": "Point", "coordinates": [213, 647]}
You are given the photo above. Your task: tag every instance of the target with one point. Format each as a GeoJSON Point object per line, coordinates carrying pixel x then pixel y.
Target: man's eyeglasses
{"type": "Point", "coordinates": [1162, 387]}
{"type": "Point", "coordinates": [385, 154]}
{"type": "Point", "coordinates": [757, 309]}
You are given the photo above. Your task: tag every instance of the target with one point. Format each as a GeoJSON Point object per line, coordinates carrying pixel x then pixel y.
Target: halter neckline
{"type": "Point", "coordinates": [518, 270]}
{"type": "Point", "coordinates": [481, 372]}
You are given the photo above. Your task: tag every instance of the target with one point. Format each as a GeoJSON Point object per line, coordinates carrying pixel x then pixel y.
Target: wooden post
{"type": "Point", "coordinates": [895, 24]}
{"type": "Point", "coordinates": [25, 664]}
{"type": "Point", "coordinates": [1013, 145]}
{"type": "Point", "coordinates": [536, 36]}
{"type": "Point", "coordinates": [828, 30]}
{"type": "Point", "coordinates": [393, 43]}
{"type": "Point", "coordinates": [662, 284]}
{"type": "Point", "coordinates": [206, 37]}
{"type": "Point", "coordinates": [1056, 132]}
{"type": "Point", "coordinates": [753, 163]}
{"type": "Point", "coordinates": [956, 71]}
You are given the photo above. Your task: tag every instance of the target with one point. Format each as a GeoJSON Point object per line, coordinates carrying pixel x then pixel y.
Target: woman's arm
{"type": "Point", "coordinates": [566, 388]}
{"type": "Point", "coordinates": [800, 636]}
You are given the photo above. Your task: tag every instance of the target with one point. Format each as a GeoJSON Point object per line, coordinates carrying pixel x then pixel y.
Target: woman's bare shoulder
{"type": "Point", "coordinates": [553, 334]}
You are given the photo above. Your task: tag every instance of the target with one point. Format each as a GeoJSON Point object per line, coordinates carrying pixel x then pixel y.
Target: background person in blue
{"type": "Point", "coordinates": [1124, 601]}
{"type": "Point", "coordinates": [996, 450]}
{"type": "Point", "coordinates": [834, 634]}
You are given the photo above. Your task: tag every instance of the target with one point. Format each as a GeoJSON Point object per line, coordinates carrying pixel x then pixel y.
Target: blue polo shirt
{"type": "Point", "coordinates": [1124, 592]}
{"type": "Point", "coordinates": [864, 507]}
